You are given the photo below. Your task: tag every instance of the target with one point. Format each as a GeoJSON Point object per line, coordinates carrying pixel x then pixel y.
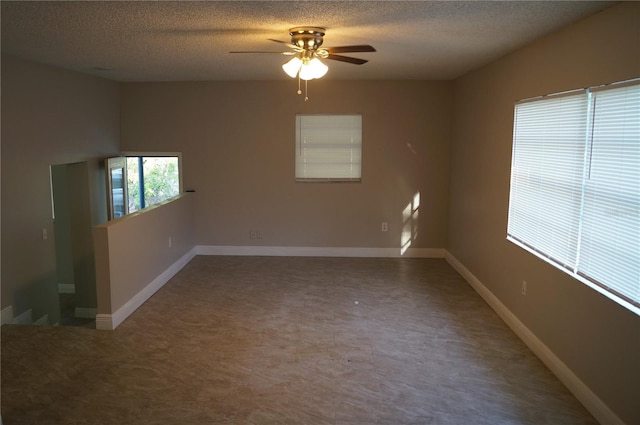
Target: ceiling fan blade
{"type": "Point", "coordinates": [350, 49]}
{"type": "Point", "coordinates": [355, 61]}
{"type": "Point", "coordinates": [286, 43]}
{"type": "Point", "coordinates": [262, 51]}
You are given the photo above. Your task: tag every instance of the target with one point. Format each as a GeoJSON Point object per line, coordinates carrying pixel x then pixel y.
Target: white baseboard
{"type": "Point", "coordinates": [104, 322]}
{"type": "Point", "coordinates": [25, 318]}
{"type": "Point", "coordinates": [111, 321]}
{"type": "Point", "coordinates": [85, 313]}
{"type": "Point", "coordinates": [66, 288]}
{"type": "Point", "coordinates": [43, 321]}
{"type": "Point", "coordinates": [299, 251]}
{"type": "Point", "coordinates": [7, 315]}
{"type": "Point", "coordinates": [579, 389]}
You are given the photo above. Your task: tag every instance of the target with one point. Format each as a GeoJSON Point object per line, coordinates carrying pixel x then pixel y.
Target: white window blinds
{"type": "Point", "coordinates": [328, 147]}
{"type": "Point", "coordinates": [610, 245]}
{"type": "Point", "coordinates": [575, 185]}
{"type": "Point", "coordinates": [546, 177]}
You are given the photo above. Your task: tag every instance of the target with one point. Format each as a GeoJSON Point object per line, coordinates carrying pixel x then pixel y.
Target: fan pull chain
{"type": "Point", "coordinates": [306, 88]}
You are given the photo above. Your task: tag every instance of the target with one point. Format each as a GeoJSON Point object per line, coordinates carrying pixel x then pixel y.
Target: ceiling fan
{"type": "Point", "coordinates": [305, 47]}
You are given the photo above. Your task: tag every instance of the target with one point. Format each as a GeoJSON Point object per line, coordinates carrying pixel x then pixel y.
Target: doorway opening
{"type": "Point", "coordinates": [75, 259]}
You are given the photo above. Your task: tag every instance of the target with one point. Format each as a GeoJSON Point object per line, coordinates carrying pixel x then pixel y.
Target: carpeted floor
{"type": "Point", "coordinates": [274, 340]}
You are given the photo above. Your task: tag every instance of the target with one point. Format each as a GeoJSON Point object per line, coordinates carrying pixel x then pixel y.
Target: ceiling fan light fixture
{"type": "Point", "coordinates": [292, 67]}
{"type": "Point", "coordinates": [307, 69]}
{"type": "Point", "coordinates": [313, 69]}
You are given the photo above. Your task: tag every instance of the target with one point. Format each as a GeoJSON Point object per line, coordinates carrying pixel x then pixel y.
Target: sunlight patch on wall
{"type": "Point", "coordinates": [410, 223]}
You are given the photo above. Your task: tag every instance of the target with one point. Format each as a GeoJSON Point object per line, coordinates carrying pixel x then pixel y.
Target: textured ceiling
{"type": "Point", "coordinates": [181, 41]}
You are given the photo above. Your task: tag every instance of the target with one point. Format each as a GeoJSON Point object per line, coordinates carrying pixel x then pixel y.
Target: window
{"type": "Point", "coordinates": [328, 148]}
{"type": "Point", "coordinates": [575, 186]}
{"type": "Point", "coordinates": [150, 179]}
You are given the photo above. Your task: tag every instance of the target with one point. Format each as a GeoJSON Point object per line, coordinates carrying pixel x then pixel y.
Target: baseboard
{"type": "Point", "coordinates": [298, 251]}
{"type": "Point", "coordinates": [25, 318]}
{"type": "Point", "coordinates": [579, 389]}
{"type": "Point", "coordinates": [85, 313]}
{"type": "Point", "coordinates": [7, 315]}
{"type": "Point", "coordinates": [111, 321]}
{"type": "Point", "coordinates": [43, 321]}
{"type": "Point", "coordinates": [104, 322]}
{"type": "Point", "coordinates": [66, 288]}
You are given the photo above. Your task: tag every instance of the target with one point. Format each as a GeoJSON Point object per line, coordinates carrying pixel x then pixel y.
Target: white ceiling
{"type": "Point", "coordinates": [183, 41]}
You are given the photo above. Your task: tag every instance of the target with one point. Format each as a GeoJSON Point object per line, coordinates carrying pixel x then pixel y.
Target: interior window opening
{"type": "Point", "coordinates": [150, 178]}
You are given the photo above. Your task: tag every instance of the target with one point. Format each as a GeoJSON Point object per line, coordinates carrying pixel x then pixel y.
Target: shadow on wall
{"type": "Point", "coordinates": [75, 259]}
{"type": "Point", "coordinates": [85, 267]}
{"type": "Point", "coordinates": [37, 302]}
{"type": "Point", "coordinates": [410, 223]}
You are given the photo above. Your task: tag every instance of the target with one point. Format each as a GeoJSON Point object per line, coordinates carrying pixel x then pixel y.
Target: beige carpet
{"type": "Point", "coordinates": [273, 340]}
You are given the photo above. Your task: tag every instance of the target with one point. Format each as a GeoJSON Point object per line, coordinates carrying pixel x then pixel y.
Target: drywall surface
{"type": "Point", "coordinates": [49, 116]}
{"type": "Point", "coordinates": [595, 337]}
{"type": "Point", "coordinates": [238, 146]}
{"type": "Point", "coordinates": [73, 231]}
{"type": "Point", "coordinates": [134, 250]}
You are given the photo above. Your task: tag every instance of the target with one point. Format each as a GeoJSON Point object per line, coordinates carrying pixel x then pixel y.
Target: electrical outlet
{"type": "Point", "coordinates": [524, 287]}
{"type": "Point", "coordinates": [170, 242]}
{"type": "Point", "coordinates": [45, 235]}
{"type": "Point", "coordinates": [384, 226]}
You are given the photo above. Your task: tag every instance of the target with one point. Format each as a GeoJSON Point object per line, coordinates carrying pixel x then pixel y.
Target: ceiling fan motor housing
{"type": "Point", "coordinates": [307, 38]}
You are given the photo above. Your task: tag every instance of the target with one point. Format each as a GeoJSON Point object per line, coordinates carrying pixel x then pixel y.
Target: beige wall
{"type": "Point", "coordinates": [595, 337]}
{"type": "Point", "coordinates": [132, 251]}
{"type": "Point", "coordinates": [49, 116]}
{"type": "Point", "coordinates": [238, 145]}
